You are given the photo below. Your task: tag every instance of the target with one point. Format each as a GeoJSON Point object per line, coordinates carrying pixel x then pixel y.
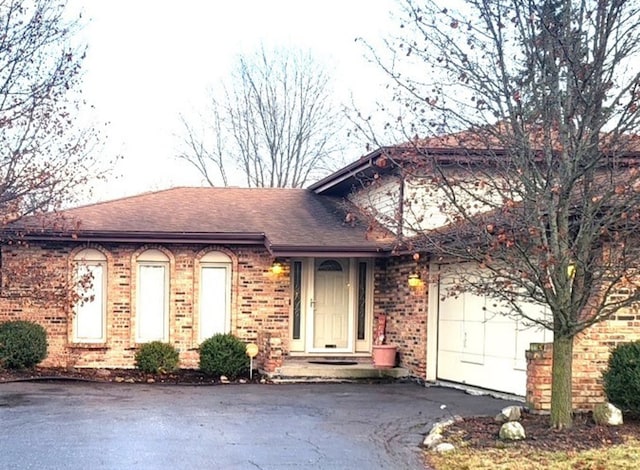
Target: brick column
{"type": "Point", "coordinates": [539, 361]}
{"type": "Point", "coordinates": [271, 353]}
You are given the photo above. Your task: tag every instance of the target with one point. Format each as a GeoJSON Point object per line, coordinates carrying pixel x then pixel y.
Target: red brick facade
{"type": "Point", "coordinates": [260, 312]}
{"type": "Point", "coordinates": [406, 310]}
{"type": "Point", "coordinates": [590, 357]}
{"type": "Point", "coordinates": [260, 301]}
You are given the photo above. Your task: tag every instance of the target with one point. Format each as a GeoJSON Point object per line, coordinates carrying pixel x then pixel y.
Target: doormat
{"type": "Point", "coordinates": [334, 363]}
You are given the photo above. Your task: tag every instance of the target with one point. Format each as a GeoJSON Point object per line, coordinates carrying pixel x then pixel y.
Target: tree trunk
{"type": "Point", "coordinates": [561, 393]}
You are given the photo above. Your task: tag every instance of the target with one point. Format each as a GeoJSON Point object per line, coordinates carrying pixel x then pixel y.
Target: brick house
{"type": "Point", "coordinates": [298, 271]}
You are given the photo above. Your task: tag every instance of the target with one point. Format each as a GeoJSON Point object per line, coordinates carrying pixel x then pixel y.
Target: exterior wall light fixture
{"type": "Point", "coordinates": [276, 267]}
{"type": "Point", "coordinates": [414, 279]}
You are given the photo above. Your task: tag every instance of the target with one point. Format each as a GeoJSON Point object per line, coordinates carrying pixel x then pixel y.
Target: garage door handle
{"type": "Point", "coordinates": [464, 342]}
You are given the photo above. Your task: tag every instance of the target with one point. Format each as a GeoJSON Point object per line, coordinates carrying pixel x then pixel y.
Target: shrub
{"type": "Point", "coordinates": [157, 358]}
{"type": "Point", "coordinates": [621, 380]}
{"type": "Point", "coordinates": [23, 344]}
{"type": "Point", "coordinates": [224, 354]}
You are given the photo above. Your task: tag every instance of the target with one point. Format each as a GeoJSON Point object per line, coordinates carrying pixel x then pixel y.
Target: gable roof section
{"type": "Point", "coordinates": [470, 147]}
{"type": "Point", "coordinates": [286, 221]}
{"type": "Point", "coordinates": [344, 180]}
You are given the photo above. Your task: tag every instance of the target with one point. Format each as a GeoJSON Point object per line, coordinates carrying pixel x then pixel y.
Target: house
{"type": "Point", "coordinates": [300, 272]}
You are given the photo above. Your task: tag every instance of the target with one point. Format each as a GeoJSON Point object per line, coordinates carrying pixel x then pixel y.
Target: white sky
{"type": "Point", "coordinates": [150, 60]}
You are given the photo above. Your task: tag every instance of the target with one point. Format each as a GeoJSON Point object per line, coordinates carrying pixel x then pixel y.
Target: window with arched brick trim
{"type": "Point", "coordinates": [89, 321]}
{"type": "Point", "coordinates": [152, 297]}
{"type": "Point", "coordinates": [215, 295]}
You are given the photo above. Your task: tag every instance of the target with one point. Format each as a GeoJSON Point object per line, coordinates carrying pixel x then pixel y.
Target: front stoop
{"type": "Point", "coordinates": [305, 371]}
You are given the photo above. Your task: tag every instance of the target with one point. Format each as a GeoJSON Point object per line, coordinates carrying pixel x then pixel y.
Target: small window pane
{"type": "Point", "coordinates": [213, 301]}
{"type": "Point", "coordinates": [330, 265]}
{"type": "Point", "coordinates": [152, 303]}
{"type": "Point", "coordinates": [90, 311]}
{"type": "Point", "coordinates": [362, 299]}
{"type": "Point", "coordinates": [297, 297]}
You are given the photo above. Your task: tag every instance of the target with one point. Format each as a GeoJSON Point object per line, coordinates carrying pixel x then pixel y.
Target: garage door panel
{"type": "Point", "coordinates": [449, 361]}
{"type": "Point", "coordinates": [474, 338]}
{"type": "Point", "coordinates": [480, 347]}
{"type": "Point", "coordinates": [474, 308]}
{"type": "Point", "coordinates": [503, 343]}
{"type": "Point", "coordinates": [454, 309]}
{"type": "Point", "coordinates": [451, 336]}
{"type": "Point", "coordinates": [471, 358]}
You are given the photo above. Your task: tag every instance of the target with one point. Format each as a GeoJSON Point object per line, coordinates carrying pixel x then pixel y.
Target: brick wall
{"type": "Point", "coordinates": [259, 311]}
{"type": "Point", "coordinates": [590, 357]}
{"type": "Point", "coordinates": [35, 287]}
{"type": "Point", "coordinates": [406, 310]}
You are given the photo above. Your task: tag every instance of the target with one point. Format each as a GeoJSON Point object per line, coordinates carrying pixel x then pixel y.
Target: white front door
{"type": "Point", "coordinates": [331, 304]}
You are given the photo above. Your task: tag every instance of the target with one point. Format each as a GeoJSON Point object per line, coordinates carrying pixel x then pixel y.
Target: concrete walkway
{"type": "Point", "coordinates": [71, 425]}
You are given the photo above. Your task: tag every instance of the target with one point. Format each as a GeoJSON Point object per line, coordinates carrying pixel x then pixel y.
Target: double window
{"type": "Point", "coordinates": [89, 322]}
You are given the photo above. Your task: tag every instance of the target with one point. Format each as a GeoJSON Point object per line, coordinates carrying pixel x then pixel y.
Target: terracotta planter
{"type": "Point", "coordinates": [384, 355]}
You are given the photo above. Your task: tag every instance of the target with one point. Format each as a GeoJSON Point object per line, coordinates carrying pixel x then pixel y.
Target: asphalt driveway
{"type": "Point", "coordinates": [71, 425]}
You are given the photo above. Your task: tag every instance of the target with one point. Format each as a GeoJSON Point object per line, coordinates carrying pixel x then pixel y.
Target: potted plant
{"type": "Point", "coordinates": [383, 355]}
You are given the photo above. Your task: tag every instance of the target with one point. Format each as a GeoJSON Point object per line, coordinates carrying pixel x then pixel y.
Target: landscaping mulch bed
{"type": "Point", "coordinates": [482, 432]}
{"type": "Point", "coordinates": [181, 376]}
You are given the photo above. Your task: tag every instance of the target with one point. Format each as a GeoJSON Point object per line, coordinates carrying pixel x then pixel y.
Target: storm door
{"type": "Point", "coordinates": [331, 304]}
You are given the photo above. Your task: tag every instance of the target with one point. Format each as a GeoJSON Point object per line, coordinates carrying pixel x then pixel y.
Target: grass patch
{"type": "Point", "coordinates": [623, 456]}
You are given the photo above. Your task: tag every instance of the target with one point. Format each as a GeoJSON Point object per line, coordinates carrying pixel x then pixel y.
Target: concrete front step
{"type": "Point", "coordinates": [300, 371]}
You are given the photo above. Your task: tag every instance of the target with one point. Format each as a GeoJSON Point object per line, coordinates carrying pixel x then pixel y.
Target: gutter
{"type": "Point", "coordinates": [329, 251]}
{"type": "Point", "coordinates": [129, 237]}
{"type": "Point", "coordinates": [236, 238]}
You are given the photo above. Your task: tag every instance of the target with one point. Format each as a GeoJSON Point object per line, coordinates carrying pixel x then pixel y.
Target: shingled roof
{"type": "Point", "coordinates": [286, 221]}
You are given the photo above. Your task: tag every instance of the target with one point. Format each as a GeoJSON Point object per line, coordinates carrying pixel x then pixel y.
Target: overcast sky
{"type": "Point", "coordinates": [150, 60]}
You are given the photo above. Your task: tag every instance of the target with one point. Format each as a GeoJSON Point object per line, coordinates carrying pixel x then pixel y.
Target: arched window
{"type": "Point", "coordinates": [152, 303]}
{"type": "Point", "coordinates": [89, 322]}
{"type": "Point", "coordinates": [330, 265]}
{"type": "Point", "coordinates": [215, 294]}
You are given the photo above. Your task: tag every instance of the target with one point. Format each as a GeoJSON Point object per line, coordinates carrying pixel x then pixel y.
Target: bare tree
{"type": "Point", "coordinates": [529, 114]}
{"type": "Point", "coordinates": [276, 124]}
{"type": "Point", "coordinates": [47, 157]}
{"type": "Point", "coordinates": [44, 156]}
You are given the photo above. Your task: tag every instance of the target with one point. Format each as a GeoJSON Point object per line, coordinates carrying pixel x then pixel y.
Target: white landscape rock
{"type": "Point", "coordinates": [509, 413]}
{"type": "Point", "coordinates": [512, 431]}
{"type": "Point", "coordinates": [607, 414]}
{"type": "Point", "coordinates": [432, 440]}
{"type": "Point", "coordinates": [444, 447]}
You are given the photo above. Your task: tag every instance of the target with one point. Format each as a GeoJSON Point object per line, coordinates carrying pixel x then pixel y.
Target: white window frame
{"type": "Point", "coordinates": [152, 258]}
{"type": "Point", "coordinates": [90, 258]}
{"type": "Point", "coordinates": [214, 260]}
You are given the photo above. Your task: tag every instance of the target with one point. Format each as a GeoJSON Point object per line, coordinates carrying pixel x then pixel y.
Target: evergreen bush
{"type": "Point", "coordinates": [224, 354]}
{"type": "Point", "coordinates": [157, 357]}
{"type": "Point", "coordinates": [23, 344]}
{"type": "Point", "coordinates": [621, 380]}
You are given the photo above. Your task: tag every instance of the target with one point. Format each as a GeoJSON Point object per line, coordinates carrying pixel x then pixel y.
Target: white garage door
{"type": "Point", "coordinates": [478, 346]}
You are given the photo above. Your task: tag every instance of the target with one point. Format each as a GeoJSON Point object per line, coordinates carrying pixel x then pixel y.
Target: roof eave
{"type": "Point", "coordinates": [144, 237]}
{"type": "Point", "coordinates": [346, 172]}
{"type": "Point", "coordinates": [329, 251]}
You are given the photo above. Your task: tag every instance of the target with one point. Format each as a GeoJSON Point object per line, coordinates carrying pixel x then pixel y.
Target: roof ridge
{"type": "Point", "coordinates": [123, 198]}
{"type": "Point", "coordinates": [174, 188]}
